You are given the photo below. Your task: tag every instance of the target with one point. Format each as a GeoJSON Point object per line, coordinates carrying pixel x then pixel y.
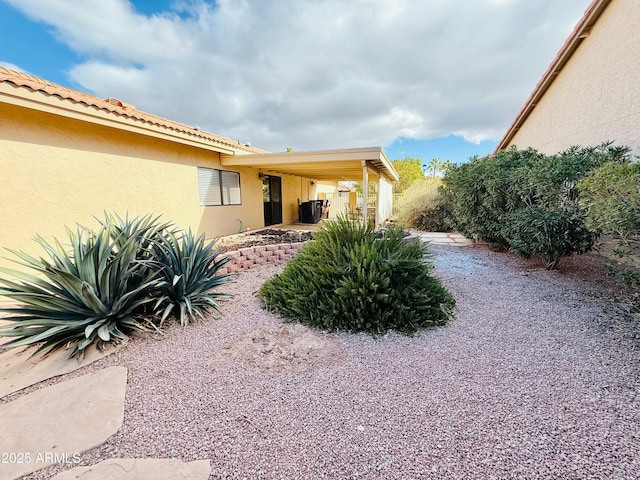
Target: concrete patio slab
{"type": "Point", "coordinates": [303, 227]}
{"type": "Point", "coordinates": [57, 423]}
{"type": "Point", "coordinates": [438, 240]}
{"type": "Point", "coordinates": [140, 469]}
{"type": "Point", "coordinates": [18, 369]}
{"type": "Point", "coordinates": [446, 238]}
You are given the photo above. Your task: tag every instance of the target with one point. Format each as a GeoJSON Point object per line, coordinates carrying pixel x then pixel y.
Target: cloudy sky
{"type": "Point", "coordinates": [427, 78]}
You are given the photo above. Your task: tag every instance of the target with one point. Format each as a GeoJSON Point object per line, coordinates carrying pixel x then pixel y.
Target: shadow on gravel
{"type": "Point", "coordinates": [583, 272]}
{"type": "Point", "coordinates": [460, 260]}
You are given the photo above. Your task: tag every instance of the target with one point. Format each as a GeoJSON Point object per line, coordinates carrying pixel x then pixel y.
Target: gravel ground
{"type": "Point", "coordinates": [537, 377]}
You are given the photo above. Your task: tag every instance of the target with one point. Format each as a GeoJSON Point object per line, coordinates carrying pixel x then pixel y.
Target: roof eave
{"type": "Point", "coordinates": [19, 88]}
{"type": "Point", "coordinates": [56, 106]}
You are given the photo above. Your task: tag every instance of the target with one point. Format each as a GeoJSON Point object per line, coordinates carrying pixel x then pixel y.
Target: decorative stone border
{"type": "Point", "coordinates": [249, 257]}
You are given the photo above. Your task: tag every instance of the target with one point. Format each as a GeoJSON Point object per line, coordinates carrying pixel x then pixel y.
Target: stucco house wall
{"type": "Point", "coordinates": [64, 163]}
{"type": "Point", "coordinates": [60, 171]}
{"type": "Point", "coordinates": [292, 187]}
{"type": "Point", "coordinates": [67, 157]}
{"type": "Point", "coordinates": [596, 95]}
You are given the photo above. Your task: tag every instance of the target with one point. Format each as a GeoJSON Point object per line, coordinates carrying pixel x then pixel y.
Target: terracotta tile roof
{"type": "Point", "coordinates": [113, 106]}
{"type": "Point", "coordinates": [580, 32]}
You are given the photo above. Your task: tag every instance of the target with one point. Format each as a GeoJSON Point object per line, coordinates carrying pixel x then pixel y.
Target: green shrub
{"type": "Point", "coordinates": [623, 273]}
{"type": "Point", "coordinates": [126, 275]}
{"type": "Point", "coordinates": [92, 294]}
{"type": "Point", "coordinates": [189, 269]}
{"type": "Point", "coordinates": [420, 207]}
{"type": "Point", "coordinates": [549, 234]}
{"type": "Point", "coordinates": [479, 194]}
{"type": "Point", "coordinates": [610, 195]}
{"type": "Point", "coordinates": [350, 278]}
{"type": "Point", "coordinates": [552, 180]}
{"type": "Point", "coordinates": [526, 201]}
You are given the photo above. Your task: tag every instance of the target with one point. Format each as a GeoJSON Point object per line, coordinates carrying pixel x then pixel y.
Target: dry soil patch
{"type": "Point", "coordinates": [279, 347]}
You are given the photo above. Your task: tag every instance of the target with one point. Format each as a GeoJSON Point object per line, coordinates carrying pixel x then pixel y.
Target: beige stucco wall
{"type": "Point", "coordinates": [230, 219]}
{"type": "Point", "coordinates": [58, 171]}
{"type": "Point", "coordinates": [326, 188]}
{"type": "Point", "coordinates": [596, 97]}
{"type": "Point", "coordinates": [293, 189]}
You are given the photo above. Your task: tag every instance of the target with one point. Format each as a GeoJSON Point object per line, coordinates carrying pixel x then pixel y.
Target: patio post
{"type": "Point", "coordinates": [378, 217]}
{"type": "Point", "coordinates": [365, 191]}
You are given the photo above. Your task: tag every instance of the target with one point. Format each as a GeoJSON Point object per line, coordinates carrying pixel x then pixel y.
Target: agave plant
{"type": "Point", "coordinates": [146, 230]}
{"type": "Point", "coordinates": [91, 294]}
{"type": "Point", "coordinates": [189, 268]}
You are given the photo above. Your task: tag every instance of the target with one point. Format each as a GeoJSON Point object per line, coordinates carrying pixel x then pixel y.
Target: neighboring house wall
{"type": "Point", "coordinates": [596, 96]}
{"type": "Point", "coordinates": [327, 188]}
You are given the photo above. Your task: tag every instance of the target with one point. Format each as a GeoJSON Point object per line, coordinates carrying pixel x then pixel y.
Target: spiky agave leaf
{"type": "Point", "coordinates": [146, 229]}
{"type": "Point", "coordinates": [90, 294]}
{"type": "Point", "coordinates": [189, 268]}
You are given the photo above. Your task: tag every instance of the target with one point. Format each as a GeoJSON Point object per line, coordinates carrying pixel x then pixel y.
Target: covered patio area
{"type": "Point", "coordinates": [365, 165]}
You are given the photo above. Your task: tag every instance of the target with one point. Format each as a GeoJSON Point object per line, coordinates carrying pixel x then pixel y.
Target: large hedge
{"type": "Point", "coordinates": [351, 278]}
{"type": "Point", "coordinates": [480, 193]}
{"type": "Point", "coordinates": [526, 201]}
{"type": "Point", "coordinates": [610, 196]}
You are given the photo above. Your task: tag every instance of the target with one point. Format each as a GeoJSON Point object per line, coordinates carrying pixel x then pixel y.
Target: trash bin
{"type": "Point", "coordinates": [311, 211]}
{"type": "Point", "coordinates": [308, 212]}
{"type": "Point", "coordinates": [317, 213]}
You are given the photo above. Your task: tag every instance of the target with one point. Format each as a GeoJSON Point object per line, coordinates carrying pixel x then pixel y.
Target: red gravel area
{"type": "Point", "coordinates": [537, 377]}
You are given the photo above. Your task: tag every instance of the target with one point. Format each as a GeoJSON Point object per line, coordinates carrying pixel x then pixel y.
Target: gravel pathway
{"type": "Point", "coordinates": [535, 378]}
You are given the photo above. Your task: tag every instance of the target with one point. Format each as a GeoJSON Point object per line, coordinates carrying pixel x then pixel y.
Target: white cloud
{"type": "Point", "coordinates": [12, 66]}
{"type": "Point", "coordinates": [319, 74]}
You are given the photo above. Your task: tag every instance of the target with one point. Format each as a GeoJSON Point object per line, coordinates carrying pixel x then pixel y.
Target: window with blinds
{"type": "Point", "coordinates": [218, 187]}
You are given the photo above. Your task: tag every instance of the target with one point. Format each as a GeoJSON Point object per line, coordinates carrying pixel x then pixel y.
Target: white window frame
{"type": "Point", "coordinates": [219, 187]}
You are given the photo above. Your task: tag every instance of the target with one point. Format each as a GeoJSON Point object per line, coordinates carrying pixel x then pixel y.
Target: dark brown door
{"type": "Point", "coordinates": [272, 199]}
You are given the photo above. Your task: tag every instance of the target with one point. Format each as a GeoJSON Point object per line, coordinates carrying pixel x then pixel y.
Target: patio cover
{"type": "Point", "coordinates": [333, 165]}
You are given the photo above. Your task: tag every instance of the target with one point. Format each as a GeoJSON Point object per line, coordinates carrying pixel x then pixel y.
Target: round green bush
{"type": "Point", "coordinates": [354, 279]}
{"type": "Point", "coordinates": [549, 234]}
